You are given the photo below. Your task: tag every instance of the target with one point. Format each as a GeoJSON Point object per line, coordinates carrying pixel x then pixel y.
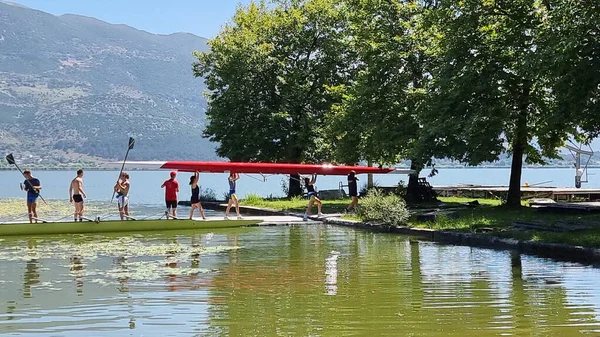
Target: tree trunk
{"type": "Point", "coordinates": [513, 199]}
{"type": "Point", "coordinates": [369, 177]}
{"type": "Point", "coordinates": [412, 190]}
{"type": "Point", "coordinates": [295, 188]}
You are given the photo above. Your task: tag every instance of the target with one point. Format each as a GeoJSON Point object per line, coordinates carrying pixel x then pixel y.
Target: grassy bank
{"type": "Point", "coordinates": [490, 218]}
{"type": "Point", "coordinates": [297, 204]}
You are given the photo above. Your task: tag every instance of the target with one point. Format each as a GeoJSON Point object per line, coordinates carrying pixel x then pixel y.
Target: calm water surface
{"type": "Point", "coordinates": [146, 189]}
{"type": "Point", "coordinates": [286, 281]}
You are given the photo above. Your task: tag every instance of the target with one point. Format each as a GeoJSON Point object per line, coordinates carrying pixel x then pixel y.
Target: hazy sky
{"type": "Point", "coordinates": [200, 17]}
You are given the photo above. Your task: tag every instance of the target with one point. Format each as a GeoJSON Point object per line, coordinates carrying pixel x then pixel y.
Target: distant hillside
{"type": "Point", "coordinates": [75, 88]}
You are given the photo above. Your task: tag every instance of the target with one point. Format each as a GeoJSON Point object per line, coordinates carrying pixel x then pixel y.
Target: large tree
{"type": "Point", "coordinates": [572, 59]}
{"type": "Point", "coordinates": [378, 118]}
{"type": "Point", "coordinates": [267, 73]}
{"type": "Point", "coordinates": [491, 90]}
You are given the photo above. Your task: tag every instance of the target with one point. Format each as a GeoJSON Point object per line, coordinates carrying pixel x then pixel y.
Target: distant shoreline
{"type": "Point", "coordinates": [75, 168]}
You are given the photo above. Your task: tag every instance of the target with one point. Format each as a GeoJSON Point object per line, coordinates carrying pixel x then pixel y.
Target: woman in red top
{"type": "Point", "coordinates": [171, 189]}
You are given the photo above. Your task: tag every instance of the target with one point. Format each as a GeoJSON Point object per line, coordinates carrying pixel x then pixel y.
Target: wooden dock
{"type": "Point", "coordinates": [527, 192]}
{"type": "Point", "coordinates": [567, 207]}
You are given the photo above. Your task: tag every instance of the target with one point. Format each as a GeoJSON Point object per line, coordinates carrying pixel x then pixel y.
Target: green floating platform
{"type": "Point", "coordinates": [118, 226]}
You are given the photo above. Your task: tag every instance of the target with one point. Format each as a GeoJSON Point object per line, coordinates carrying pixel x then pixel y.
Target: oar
{"type": "Point", "coordinates": [129, 147]}
{"type": "Point", "coordinates": [11, 160]}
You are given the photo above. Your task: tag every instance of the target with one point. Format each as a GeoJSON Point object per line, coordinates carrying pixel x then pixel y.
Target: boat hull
{"type": "Point", "coordinates": [260, 168]}
{"type": "Point", "coordinates": [27, 229]}
{"type": "Point", "coordinates": [270, 168]}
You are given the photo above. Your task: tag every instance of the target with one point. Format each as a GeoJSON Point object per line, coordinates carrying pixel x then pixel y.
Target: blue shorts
{"type": "Point", "coordinates": [31, 198]}
{"type": "Point", "coordinates": [231, 193]}
{"type": "Point", "coordinates": [310, 195]}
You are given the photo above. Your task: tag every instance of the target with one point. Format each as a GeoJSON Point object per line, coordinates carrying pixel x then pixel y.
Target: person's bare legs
{"type": "Point", "coordinates": [192, 211]}
{"type": "Point", "coordinates": [319, 205]}
{"type": "Point", "coordinates": [34, 211]}
{"type": "Point", "coordinates": [80, 204]}
{"type": "Point", "coordinates": [310, 205]}
{"type": "Point", "coordinates": [353, 204]}
{"type": "Point", "coordinates": [201, 211]}
{"type": "Point", "coordinates": [229, 204]}
{"type": "Point", "coordinates": [237, 206]}
{"type": "Point", "coordinates": [29, 213]}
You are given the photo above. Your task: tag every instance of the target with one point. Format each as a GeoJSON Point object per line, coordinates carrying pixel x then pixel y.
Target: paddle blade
{"type": "Point", "coordinates": [10, 159]}
{"type": "Point", "coordinates": [131, 143]}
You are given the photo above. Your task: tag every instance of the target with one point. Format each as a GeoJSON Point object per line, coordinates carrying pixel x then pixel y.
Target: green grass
{"type": "Point", "coordinates": [490, 218]}
{"type": "Point", "coordinates": [297, 204]}
{"type": "Point", "coordinates": [457, 200]}
{"type": "Point", "coordinates": [494, 219]}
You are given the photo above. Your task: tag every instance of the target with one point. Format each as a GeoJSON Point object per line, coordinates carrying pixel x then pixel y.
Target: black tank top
{"type": "Point", "coordinates": [310, 188]}
{"type": "Point", "coordinates": [196, 193]}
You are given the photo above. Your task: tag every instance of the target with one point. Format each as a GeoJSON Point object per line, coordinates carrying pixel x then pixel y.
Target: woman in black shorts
{"type": "Point", "coordinates": [195, 200]}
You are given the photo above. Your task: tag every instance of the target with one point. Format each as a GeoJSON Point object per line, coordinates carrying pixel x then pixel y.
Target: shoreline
{"type": "Point", "coordinates": [130, 168]}
{"type": "Point", "coordinates": [556, 251]}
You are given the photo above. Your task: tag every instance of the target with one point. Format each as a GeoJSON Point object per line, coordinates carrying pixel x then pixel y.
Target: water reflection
{"type": "Point", "coordinates": [273, 285]}
{"type": "Point", "coordinates": [331, 273]}
{"type": "Point", "coordinates": [77, 272]}
{"type": "Point", "coordinates": [31, 276]}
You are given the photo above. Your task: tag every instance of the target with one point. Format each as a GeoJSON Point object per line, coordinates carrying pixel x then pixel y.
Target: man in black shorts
{"type": "Point", "coordinates": [76, 195]}
{"type": "Point", "coordinates": [352, 190]}
{"type": "Point", "coordinates": [171, 187]}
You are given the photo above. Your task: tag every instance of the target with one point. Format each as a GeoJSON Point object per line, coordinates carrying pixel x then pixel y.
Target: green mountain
{"type": "Point", "coordinates": [74, 88]}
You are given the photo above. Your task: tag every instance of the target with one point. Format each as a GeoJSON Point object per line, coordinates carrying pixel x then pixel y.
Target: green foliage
{"type": "Point", "coordinates": [285, 186]}
{"type": "Point", "coordinates": [208, 194]}
{"type": "Point", "coordinates": [266, 74]}
{"type": "Point", "coordinates": [377, 119]}
{"type": "Point", "coordinates": [387, 209]}
{"type": "Point", "coordinates": [253, 199]}
{"type": "Point", "coordinates": [490, 77]}
{"type": "Point", "coordinates": [571, 32]}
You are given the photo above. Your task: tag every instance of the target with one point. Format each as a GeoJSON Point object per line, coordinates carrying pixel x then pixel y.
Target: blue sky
{"type": "Point", "coordinates": [200, 17]}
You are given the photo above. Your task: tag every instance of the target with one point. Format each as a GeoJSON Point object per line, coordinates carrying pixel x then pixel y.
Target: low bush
{"type": "Point", "coordinates": [388, 209]}
{"type": "Point", "coordinates": [208, 194]}
{"type": "Point", "coordinates": [253, 199]}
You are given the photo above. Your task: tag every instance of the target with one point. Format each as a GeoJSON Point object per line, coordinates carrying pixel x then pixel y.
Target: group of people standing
{"type": "Point", "coordinates": [77, 195]}
{"type": "Point", "coordinates": [32, 186]}
{"type": "Point", "coordinates": [171, 187]}
{"type": "Point", "coordinates": [313, 198]}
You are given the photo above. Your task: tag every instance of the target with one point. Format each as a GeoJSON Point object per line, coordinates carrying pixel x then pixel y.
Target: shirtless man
{"type": "Point", "coordinates": [76, 195]}
{"type": "Point", "coordinates": [122, 188]}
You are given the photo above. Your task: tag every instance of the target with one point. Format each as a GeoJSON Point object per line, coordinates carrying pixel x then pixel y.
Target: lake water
{"type": "Point", "coordinates": [308, 280]}
{"type": "Point", "coordinates": [146, 184]}
{"type": "Point", "coordinates": [147, 198]}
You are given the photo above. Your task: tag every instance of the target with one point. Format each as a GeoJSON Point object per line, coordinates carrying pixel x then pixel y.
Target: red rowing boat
{"type": "Point", "coordinates": [265, 168]}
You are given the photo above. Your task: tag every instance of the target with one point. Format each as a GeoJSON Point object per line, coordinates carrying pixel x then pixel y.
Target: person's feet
{"type": "Point", "coordinates": [226, 217]}
{"type": "Point", "coordinates": [305, 218]}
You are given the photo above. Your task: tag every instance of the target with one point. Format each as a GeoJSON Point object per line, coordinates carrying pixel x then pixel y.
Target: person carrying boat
{"type": "Point", "coordinates": [311, 194]}
{"type": "Point", "coordinates": [233, 200]}
{"type": "Point", "coordinates": [76, 195]}
{"type": "Point", "coordinates": [32, 186]}
{"type": "Point", "coordinates": [195, 200]}
{"type": "Point", "coordinates": [171, 189]}
{"type": "Point", "coordinates": [122, 188]}
{"type": "Point", "coordinates": [352, 191]}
